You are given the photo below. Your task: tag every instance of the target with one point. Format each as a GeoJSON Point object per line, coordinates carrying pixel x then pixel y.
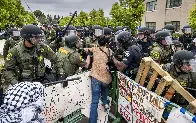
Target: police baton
{"type": "Point", "coordinates": [61, 81]}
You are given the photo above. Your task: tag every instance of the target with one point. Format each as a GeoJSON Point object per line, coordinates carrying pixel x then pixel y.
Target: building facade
{"type": "Point", "coordinates": [161, 12]}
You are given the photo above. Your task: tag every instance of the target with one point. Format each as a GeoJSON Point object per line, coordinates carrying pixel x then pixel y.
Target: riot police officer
{"type": "Point", "coordinates": [96, 32]}
{"type": "Point", "coordinates": [12, 41]}
{"type": "Point", "coordinates": [182, 70]}
{"type": "Point", "coordinates": [186, 38]}
{"type": "Point", "coordinates": [145, 40]}
{"type": "Point", "coordinates": [132, 55]}
{"type": "Point", "coordinates": [71, 30]}
{"type": "Point", "coordinates": [68, 58]}
{"type": "Point", "coordinates": [25, 61]}
{"type": "Point", "coordinates": [162, 51]}
{"type": "Point", "coordinates": [177, 45]}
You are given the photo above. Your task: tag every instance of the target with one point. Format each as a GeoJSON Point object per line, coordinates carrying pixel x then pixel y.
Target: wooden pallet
{"type": "Point", "coordinates": [149, 65]}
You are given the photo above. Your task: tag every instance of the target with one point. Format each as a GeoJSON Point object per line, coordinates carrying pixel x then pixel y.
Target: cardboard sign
{"type": "Point", "coordinates": [137, 104]}
{"type": "Point", "coordinates": [61, 102]}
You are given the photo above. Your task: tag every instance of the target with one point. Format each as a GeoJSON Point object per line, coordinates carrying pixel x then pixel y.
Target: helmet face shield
{"type": "Point", "coordinates": [187, 30]}
{"type": "Point", "coordinates": [98, 32]}
{"type": "Point", "coordinates": [168, 40]}
{"type": "Point", "coordinates": [192, 63]}
{"type": "Point", "coordinates": [141, 36]}
{"type": "Point", "coordinates": [16, 33]}
{"type": "Point", "coordinates": [71, 32]}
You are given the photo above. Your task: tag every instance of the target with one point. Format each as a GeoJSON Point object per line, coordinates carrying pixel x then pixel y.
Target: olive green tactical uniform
{"type": "Point", "coordinates": [160, 54]}
{"type": "Point", "coordinates": [185, 80]}
{"type": "Point", "coordinates": [23, 64]}
{"type": "Point", "coordinates": [9, 43]}
{"type": "Point", "coordinates": [69, 61]}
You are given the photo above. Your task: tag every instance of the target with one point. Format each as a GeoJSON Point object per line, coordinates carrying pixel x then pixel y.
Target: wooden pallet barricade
{"type": "Point", "coordinates": [149, 65]}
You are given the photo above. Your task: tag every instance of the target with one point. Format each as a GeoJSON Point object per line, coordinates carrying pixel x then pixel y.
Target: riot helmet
{"type": "Point", "coordinates": [15, 33]}
{"type": "Point", "coordinates": [125, 39]}
{"type": "Point", "coordinates": [96, 31]}
{"type": "Point", "coordinates": [107, 31]}
{"type": "Point", "coordinates": [184, 60]}
{"type": "Point", "coordinates": [143, 33]}
{"type": "Point", "coordinates": [31, 33]}
{"type": "Point", "coordinates": [80, 31]}
{"type": "Point", "coordinates": [72, 41]}
{"type": "Point", "coordinates": [163, 38]}
{"type": "Point", "coordinates": [119, 28]}
{"type": "Point", "coordinates": [170, 28]}
{"type": "Point", "coordinates": [187, 29]}
{"type": "Point", "coordinates": [71, 30]}
{"type": "Point", "coordinates": [177, 45]}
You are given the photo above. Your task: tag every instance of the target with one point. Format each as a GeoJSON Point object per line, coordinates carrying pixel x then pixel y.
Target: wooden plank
{"type": "Point", "coordinates": [182, 91]}
{"type": "Point", "coordinates": [140, 71]}
{"type": "Point", "coordinates": [145, 72]}
{"type": "Point", "coordinates": [191, 107]}
{"type": "Point", "coordinates": [152, 80]}
{"type": "Point", "coordinates": [170, 93]}
{"type": "Point", "coordinates": [160, 87]}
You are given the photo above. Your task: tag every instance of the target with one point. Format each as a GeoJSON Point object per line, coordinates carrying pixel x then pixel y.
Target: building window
{"type": "Point", "coordinates": [176, 24]}
{"type": "Point", "coordinates": [173, 3]}
{"type": "Point", "coordinates": [151, 25]}
{"type": "Point", "coordinates": [150, 6]}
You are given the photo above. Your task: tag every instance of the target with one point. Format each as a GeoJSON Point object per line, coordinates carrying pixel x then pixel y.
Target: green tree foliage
{"type": "Point", "coordinates": [12, 12]}
{"type": "Point", "coordinates": [125, 13]}
{"type": "Point", "coordinates": [82, 18]}
{"type": "Point", "coordinates": [128, 13]}
{"type": "Point", "coordinates": [40, 16]}
{"type": "Point", "coordinates": [192, 17]}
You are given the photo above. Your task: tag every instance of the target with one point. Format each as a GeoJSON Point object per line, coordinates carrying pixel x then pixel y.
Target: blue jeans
{"type": "Point", "coordinates": [98, 88]}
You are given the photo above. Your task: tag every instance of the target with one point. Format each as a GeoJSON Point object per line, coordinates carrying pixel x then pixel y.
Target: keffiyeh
{"type": "Point", "coordinates": [23, 103]}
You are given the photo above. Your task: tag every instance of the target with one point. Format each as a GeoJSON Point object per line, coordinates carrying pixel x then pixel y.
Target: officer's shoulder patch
{"type": "Point", "coordinates": [63, 50]}
{"type": "Point", "coordinates": [9, 56]}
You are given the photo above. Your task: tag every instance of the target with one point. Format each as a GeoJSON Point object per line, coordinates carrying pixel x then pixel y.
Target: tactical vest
{"type": "Point", "coordinates": [65, 66]}
{"type": "Point", "coordinates": [30, 64]}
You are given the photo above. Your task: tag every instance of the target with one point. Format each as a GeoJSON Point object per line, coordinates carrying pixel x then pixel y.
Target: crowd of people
{"type": "Point", "coordinates": [97, 49]}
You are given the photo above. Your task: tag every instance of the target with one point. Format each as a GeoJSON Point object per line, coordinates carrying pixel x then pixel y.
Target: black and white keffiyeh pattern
{"type": "Point", "coordinates": [23, 103]}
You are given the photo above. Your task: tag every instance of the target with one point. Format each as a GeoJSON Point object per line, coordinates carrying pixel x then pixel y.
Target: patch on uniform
{"type": "Point", "coordinates": [127, 54]}
{"type": "Point", "coordinates": [62, 50]}
{"type": "Point", "coordinates": [81, 59]}
{"type": "Point", "coordinates": [42, 50]}
{"type": "Point", "coordinates": [9, 56]}
{"type": "Point", "coordinates": [155, 55]}
{"type": "Point", "coordinates": [182, 83]}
